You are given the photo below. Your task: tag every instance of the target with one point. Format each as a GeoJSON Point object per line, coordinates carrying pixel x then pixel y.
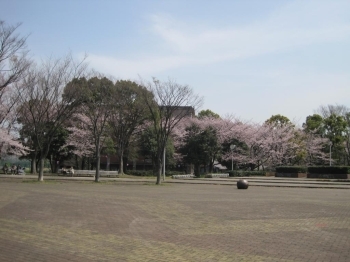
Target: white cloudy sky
{"type": "Point", "coordinates": [249, 58]}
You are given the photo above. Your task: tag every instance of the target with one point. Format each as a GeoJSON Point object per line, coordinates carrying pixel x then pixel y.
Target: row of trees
{"type": "Point", "coordinates": [248, 145]}
{"type": "Point", "coordinates": [57, 117]}
{"type": "Point", "coordinates": [58, 109]}
{"type": "Point", "coordinates": [323, 139]}
{"type": "Point", "coordinates": [332, 122]}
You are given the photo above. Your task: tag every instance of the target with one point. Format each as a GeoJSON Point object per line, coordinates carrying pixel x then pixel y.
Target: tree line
{"type": "Point", "coordinates": [322, 140]}
{"type": "Point", "coordinates": [59, 109]}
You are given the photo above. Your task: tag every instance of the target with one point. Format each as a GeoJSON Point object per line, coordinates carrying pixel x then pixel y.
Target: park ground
{"type": "Point", "coordinates": [139, 221]}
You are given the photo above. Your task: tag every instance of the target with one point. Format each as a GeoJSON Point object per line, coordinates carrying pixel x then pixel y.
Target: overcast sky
{"type": "Point", "coordinates": [252, 59]}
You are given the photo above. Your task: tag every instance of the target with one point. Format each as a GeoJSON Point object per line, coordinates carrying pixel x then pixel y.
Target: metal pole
{"type": "Point", "coordinates": [232, 160]}
{"type": "Point", "coordinates": [330, 154]}
{"type": "Point", "coordinates": [232, 147]}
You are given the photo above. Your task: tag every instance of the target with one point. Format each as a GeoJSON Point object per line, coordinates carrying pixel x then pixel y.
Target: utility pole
{"type": "Point", "coordinates": [330, 154]}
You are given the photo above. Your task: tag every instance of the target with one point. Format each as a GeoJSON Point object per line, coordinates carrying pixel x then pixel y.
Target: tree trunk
{"type": "Point", "coordinates": [41, 171]}
{"type": "Point", "coordinates": [33, 165]}
{"type": "Point", "coordinates": [211, 164]}
{"type": "Point", "coordinates": [121, 164]}
{"type": "Point", "coordinates": [76, 162]}
{"type": "Point", "coordinates": [108, 163]}
{"type": "Point", "coordinates": [55, 166]}
{"type": "Point", "coordinates": [97, 174]}
{"type": "Point", "coordinates": [51, 165]}
{"type": "Point", "coordinates": [197, 170]}
{"type": "Point", "coordinates": [125, 164]}
{"type": "Point", "coordinates": [159, 170]}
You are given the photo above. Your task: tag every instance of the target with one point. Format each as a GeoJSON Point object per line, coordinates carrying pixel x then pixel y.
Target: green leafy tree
{"type": "Point", "coordinates": [108, 150]}
{"type": "Point", "coordinates": [347, 137]}
{"type": "Point", "coordinates": [335, 129]}
{"type": "Point", "coordinates": [128, 114]}
{"type": "Point", "coordinates": [240, 148]}
{"type": "Point", "coordinates": [332, 123]}
{"type": "Point", "coordinates": [148, 145]}
{"type": "Point", "coordinates": [96, 94]}
{"type": "Point", "coordinates": [278, 120]}
{"type": "Point", "coordinates": [314, 123]}
{"type": "Point", "coordinates": [148, 148]}
{"type": "Point", "coordinates": [207, 113]}
{"type": "Point", "coordinates": [201, 147]}
{"type": "Point", "coordinates": [58, 153]}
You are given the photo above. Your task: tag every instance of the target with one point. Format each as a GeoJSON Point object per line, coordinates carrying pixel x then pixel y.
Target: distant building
{"type": "Point", "coordinates": [181, 111]}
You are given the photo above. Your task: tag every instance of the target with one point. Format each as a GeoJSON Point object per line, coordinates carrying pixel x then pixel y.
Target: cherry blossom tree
{"type": "Point", "coordinates": [313, 145]}
{"type": "Point", "coordinates": [45, 104]}
{"type": "Point", "coordinates": [270, 145]}
{"type": "Point", "coordinates": [9, 142]}
{"type": "Point", "coordinates": [80, 139]}
{"type": "Point", "coordinates": [203, 140]}
{"type": "Point", "coordinates": [10, 145]}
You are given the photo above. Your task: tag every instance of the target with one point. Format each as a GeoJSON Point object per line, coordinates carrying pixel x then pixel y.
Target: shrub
{"type": "Point", "coordinates": [329, 169]}
{"type": "Point", "coordinates": [150, 173]}
{"type": "Point", "coordinates": [173, 173]}
{"type": "Point", "coordinates": [291, 169]}
{"type": "Point", "coordinates": [140, 172]}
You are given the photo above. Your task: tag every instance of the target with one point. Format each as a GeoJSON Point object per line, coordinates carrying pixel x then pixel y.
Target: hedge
{"type": "Point", "coordinates": [329, 170]}
{"type": "Point", "coordinates": [291, 169]}
{"type": "Point", "coordinates": [150, 173]}
{"type": "Point", "coordinates": [139, 173]}
{"type": "Point", "coordinates": [246, 173]}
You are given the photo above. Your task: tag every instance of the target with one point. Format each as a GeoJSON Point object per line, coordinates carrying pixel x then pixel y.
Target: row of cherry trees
{"type": "Point", "coordinates": [203, 140]}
